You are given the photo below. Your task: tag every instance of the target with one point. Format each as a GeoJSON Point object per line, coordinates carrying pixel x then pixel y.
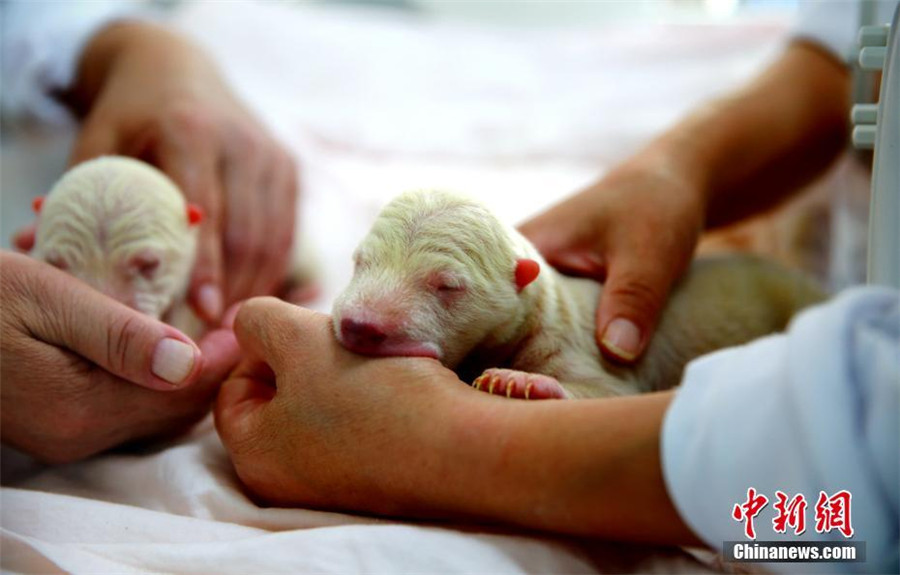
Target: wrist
{"type": "Point", "coordinates": [598, 475]}
{"type": "Point", "coordinates": [449, 454]}
{"type": "Point", "coordinates": [669, 173]}
{"type": "Point", "coordinates": [679, 156]}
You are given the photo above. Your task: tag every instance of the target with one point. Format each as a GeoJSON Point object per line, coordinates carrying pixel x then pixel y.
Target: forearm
{"type": "Point", "coordinates": [598, 474]}
{"type": "Point", "coordinates": [747, 151]}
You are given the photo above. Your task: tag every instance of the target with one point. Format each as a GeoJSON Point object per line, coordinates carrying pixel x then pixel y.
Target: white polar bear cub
{"type": "Point", "coordinates": [123, 227]}
{"type": "Point", "coordinates": [440, 276]}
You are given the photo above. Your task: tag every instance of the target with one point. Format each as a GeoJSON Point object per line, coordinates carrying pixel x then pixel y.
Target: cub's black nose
{"type": "Point", "coordinates": [361, 334]}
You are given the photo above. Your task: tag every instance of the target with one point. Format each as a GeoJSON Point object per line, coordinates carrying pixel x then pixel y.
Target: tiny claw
{"type": "Point", "coordinates": [509, 389]}
{"type": "Point", "coordinates": [529, 383]}
{"type": "Point", "coordinates": [478, 381]}
{"type": "Point", "coordinates": [494, 381]}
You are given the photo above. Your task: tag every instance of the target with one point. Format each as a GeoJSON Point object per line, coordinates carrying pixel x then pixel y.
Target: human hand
{"type": "Point", "coordinates": [635, 230]}
{"type": "Point", "coordinates": [148, 93]}
{"type": "Point", "coordinates": [307, 422]}
{"type": "Point", "coordinates": [82, 373]}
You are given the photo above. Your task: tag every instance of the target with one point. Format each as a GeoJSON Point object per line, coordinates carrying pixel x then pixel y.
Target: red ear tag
{"type": "Point", "coordinates": [194, 214]}
{"type": "Point", "coordinates": [526, 272]}
{"type": "Point", "coordinates": [37, 204]}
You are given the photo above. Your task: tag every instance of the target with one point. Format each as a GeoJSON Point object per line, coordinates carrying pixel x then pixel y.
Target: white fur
{"type": "Point", "coordinates": [548, 328]}
{"type": "Point", "coordinates": [104, 213]}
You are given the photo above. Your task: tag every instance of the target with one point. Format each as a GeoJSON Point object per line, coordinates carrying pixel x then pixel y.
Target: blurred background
{"type": "Point", "coordinates": [520, 103]}
{"type": "Point", "coordinates": [564, 12]}
{"type": "Point", "coordinates": [586, 12]}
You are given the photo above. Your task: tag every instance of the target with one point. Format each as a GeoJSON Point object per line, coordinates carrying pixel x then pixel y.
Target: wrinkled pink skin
{"type": "Point", "coordinates": [367, 337]}
{"type": "Point", "coordinates": [380, 339]}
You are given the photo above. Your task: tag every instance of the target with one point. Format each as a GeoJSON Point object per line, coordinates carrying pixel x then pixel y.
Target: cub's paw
{"type": "Point", "coordinates": [519, 384]}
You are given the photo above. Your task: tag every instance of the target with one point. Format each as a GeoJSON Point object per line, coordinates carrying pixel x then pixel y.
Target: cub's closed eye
{"type": "Point", "coordinates": [57, 262]}
{"type": "Point", "coordinates": [447, 284]}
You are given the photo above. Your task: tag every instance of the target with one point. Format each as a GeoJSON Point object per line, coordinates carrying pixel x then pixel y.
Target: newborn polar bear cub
{"type": "Point", "coordinates": [123, 227]}
{"type": "Point", "coordinates": [440, 276]}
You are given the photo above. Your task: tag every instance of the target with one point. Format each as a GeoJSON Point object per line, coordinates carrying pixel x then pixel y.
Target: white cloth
{"type": "Point", "coordinates": [835, 24]}
{"type": "Point", "coordinates": [179, 508]}
{"type": "Point", "coordinates": [815, 409]}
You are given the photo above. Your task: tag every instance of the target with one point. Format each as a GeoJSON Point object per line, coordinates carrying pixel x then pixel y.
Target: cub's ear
{"type": "Point", "coordinates": [37, 204]}
{"type": "Point", "coordinates": [527, 271]}
{"type": "Point", "coordinates": [194, 214]}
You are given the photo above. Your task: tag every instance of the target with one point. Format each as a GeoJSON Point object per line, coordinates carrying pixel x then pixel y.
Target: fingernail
{"type": "Point", "coordinates": [622, 338]}
{"type": "Point", "coordinates": [173, 360]}
{"type": "Point", "coordinates": [209, 298]}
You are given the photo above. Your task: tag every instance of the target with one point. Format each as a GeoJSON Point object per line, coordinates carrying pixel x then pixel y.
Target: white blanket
{"type": "Point", "coordinates": [375, 103]}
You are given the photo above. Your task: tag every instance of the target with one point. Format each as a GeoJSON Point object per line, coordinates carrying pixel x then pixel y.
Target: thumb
{"type": "Point", "coordinates": [630, 304]}
{"type": "Point", "coordinates": [118, 339]}
{"type": "Point", "coordinates": [281, 334]}
{"type": "Point", "coordinates": [243, 397]}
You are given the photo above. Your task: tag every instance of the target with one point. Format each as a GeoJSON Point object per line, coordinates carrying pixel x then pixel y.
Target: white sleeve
{"type": "Point", "coordinates": [814, 409]}
{"type": "Point", "coordinates": [41, 45]}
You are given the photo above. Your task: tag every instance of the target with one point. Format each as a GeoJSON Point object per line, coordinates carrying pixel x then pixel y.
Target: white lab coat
{"type": "Point", "coordinates": [813, 409]}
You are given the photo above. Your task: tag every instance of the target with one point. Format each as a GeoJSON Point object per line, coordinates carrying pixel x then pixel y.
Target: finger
{"type": "Point", "coordinates": [191, 161]}
{"type": "Point", "coordinates": [119, 339]}
{"type": "Point", "coordinates": [230, 314]}
{"type": "Point", "coordinates": [630, 304]}
{"type": "Point", "coordinates": [239, 409]}
{"type": "Point", "coordinates": [170, 414]}
{"type": "Point", "coordinates": [246, 391]}
{"type": "Point", "coordinates": [588, 263]}
{"type": "Point", "coordinates": [573, 250]}
{"type": "Point", "coordinates": [221, 352]}
{"type": "Point", "coordinates": [543, 232]}
{"type": "Point", "coordinates": [281, 334]}
{"type": "Point", "coordinates": [24, 238]}
{"type": "Point", "coordinates": [552, 230]}
{"type": "Point", "coordinates": [245, 226]}
{"type": "Point", "coordinates": [281, 216]}
{"type": "Point", "coordinates": [95, 139]}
